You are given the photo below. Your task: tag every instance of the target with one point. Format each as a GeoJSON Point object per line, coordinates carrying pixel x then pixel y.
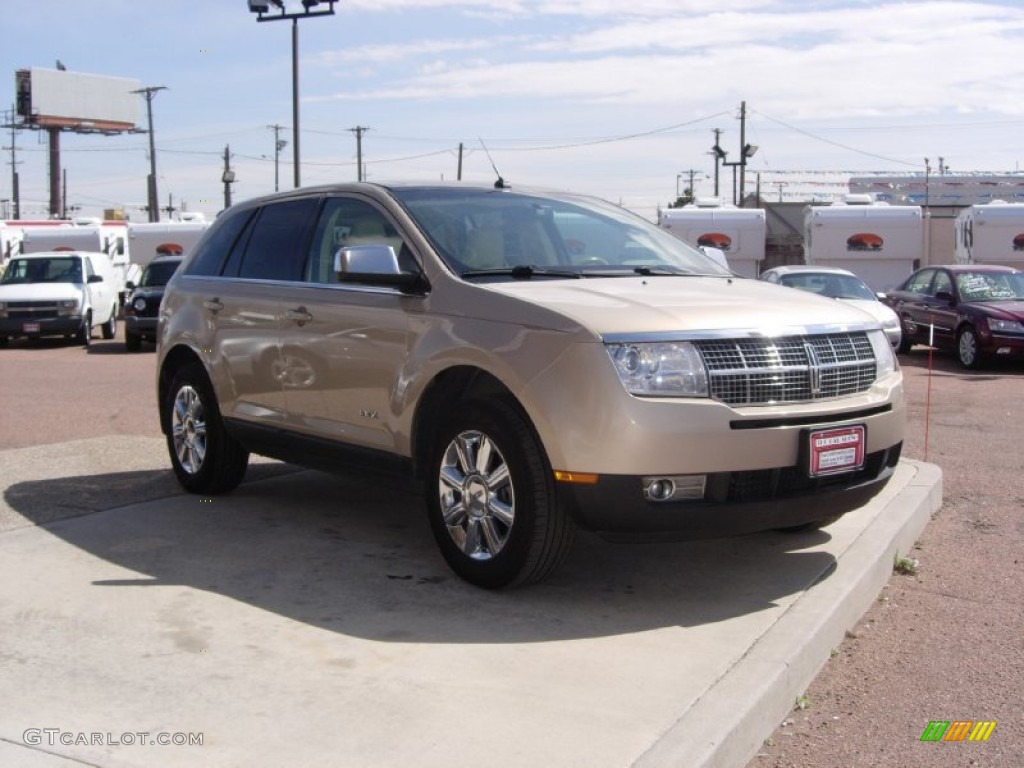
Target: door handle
{"type": "Point", "coordinates": [214, 305]}
{"type": "Point", "coordinates": [299, 316]}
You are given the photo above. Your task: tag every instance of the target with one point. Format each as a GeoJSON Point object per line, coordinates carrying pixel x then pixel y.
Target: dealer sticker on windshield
{"type": "Point", "coordinates": [834, 450]}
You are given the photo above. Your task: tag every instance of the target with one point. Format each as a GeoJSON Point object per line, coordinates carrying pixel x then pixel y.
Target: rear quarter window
{"type": "Point", "coordinates": [212, 251]}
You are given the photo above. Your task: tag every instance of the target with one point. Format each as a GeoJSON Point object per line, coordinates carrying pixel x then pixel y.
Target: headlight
{"type": "Point", "coordinates": [885, 360]}
{"type": "Point", "coordinates": [139, 304]}
{"type": "Point", "coordinates": [668, 369]}
{"type": "Point", "coordinates": [1005, 326]}
{"type": "Point", "coordinates": [67, 307]}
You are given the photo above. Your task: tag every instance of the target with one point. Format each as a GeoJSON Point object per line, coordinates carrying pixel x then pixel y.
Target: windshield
{"type": "Point", "coordinates": [990, 286]}
{"type": "Point", "coordinates": [833, 285]}
{"type": "Point", "coordinates": [157, 273]}
{"type": "Point", "coordinates": [479, 232]}
{"type": "Point", "coordinates": [62, 269]}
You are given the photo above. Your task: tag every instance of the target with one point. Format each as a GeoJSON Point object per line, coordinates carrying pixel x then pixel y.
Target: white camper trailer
{"type": "Point", "coordinates": [86, 234]}
{"type": "Point", "coordinates": [146, 239]}
{"type": "Point", "coordinates": [991, 234]}
{"type": "Point", "coordinates": [738, 232]}
{"type": "Point", "coordinates": [880, 243]}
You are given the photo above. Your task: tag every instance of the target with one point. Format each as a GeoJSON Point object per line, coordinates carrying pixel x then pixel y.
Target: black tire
{"type": "Point", "coordinates": [84, 334]}
{"type": "Point", "coordinates": [132, 342]}
{"type": "Point", "coordinates": [205, 458]}
{"type": "Point", "coordinates": [967, 350]}
{"type": "Point", "coordinates": [109, 328]}
{"type": "Point", "coordinates": [905, 341]}
{"type": "Point", "coordinates": [504, 526]}
{"type": "Point", "coordinates": [3, 341]}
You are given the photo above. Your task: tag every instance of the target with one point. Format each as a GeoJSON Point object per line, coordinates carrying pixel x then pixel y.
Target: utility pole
{"type": "Point", "coordinates": [459, 174]}
{"type": "Point", "coordinates": [14, 163]}
{"type": "Point", "coordinates": [228, 177]}
{"type": "Point", "coordinates": [743, 150]}
{"type": "Point", "coordinates": [358, 131]}
{"type": "Point", "coordinates": [719, 154]}
{"type": "Point", "coordinates": [151, 196]}
{"type": "Point", "coordinates": [279, 144]}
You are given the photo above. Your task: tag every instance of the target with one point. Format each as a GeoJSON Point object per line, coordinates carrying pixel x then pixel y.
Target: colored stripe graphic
{"type": "Point", "coordinates": [958, 730]}
{"type": "Point", "coordinates": [982, 730]}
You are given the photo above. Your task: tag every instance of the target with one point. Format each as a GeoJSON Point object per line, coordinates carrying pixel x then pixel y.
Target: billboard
{"type": "Point", "coordinates": [55, 98]}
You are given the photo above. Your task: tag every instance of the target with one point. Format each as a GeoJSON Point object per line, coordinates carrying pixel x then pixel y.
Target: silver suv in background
{"type": "Point", "coordinates": [539, 361]}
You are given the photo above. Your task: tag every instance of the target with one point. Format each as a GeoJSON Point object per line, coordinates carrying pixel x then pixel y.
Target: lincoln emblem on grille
{"type": "Point", "coordinates": [813, 369]}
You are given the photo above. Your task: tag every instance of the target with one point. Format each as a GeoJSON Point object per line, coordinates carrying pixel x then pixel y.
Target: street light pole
{"type": "Point", "coordinates": [262, 9]}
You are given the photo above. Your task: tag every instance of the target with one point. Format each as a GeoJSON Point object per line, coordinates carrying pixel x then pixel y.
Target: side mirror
{"type": "Point", "coordinates": [95, 279]}
{"type": "Point", "coordinates": [945, 296]}
{"type": "Point", "coordinates": [373, 265]}
{"type": "Point", "coordinates": [129, 285]}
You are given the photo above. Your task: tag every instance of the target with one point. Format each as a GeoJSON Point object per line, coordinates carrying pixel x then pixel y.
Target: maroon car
{"type": "Point", "coordinates": [973, 309]}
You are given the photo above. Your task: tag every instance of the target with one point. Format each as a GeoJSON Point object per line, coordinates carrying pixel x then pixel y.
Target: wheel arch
{"type": "Point", "coordinates": [451, 386]}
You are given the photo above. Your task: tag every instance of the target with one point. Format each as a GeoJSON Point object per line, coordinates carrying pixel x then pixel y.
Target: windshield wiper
{"type": "Point", "coordinates": [522, 272]}
{"type": "Point", "coordinates": [661, 269]}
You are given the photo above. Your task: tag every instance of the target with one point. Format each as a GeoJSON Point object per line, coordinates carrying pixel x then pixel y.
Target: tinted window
{"type": "Point", "coordinates": [276, 249]}
{"type": "Point", "coordinates": [158, 273]}
{"type": "Point", "coordinates": [942, 283]}
{"type": "Point", "coordinates": [212, 251]}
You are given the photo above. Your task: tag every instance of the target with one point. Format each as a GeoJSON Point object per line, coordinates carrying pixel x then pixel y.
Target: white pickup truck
{"type": "Point", "coordinates": [58, 293]}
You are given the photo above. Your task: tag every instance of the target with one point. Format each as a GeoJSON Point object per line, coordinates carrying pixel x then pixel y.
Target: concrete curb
{"type": "Point", "coordinates": [727, 725]}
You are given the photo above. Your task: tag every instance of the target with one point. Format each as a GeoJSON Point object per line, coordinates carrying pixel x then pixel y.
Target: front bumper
{"type": "Point", "coordinates": [733, 503]}
{"type": "Point", "coordinates": [144, 327]}
{"type": "Point", "coordinates": [44, 326]}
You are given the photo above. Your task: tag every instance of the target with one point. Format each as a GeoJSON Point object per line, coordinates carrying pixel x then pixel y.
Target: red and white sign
{"type": "Point", "coordinates": [840, 449]}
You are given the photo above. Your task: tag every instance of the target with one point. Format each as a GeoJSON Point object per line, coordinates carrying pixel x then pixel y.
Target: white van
{"type": "Point", "coordinates": [58, 293]}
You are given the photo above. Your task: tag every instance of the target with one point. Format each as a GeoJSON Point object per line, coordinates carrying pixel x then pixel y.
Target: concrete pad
{"type": "Point", "coordinates": [307, 619]}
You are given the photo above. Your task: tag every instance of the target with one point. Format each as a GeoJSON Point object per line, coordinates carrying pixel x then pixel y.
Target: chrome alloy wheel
{"type": "Point", "coordinates": [476, 495]}
{"type": "Point", "coordinates": [188, 428]}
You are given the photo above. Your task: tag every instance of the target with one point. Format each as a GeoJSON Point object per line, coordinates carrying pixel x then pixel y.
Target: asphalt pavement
{"type": "Point", "coordinates": [308, 619]}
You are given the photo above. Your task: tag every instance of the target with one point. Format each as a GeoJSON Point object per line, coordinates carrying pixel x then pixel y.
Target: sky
{"type": "Point", "coordinates": [616, 99]}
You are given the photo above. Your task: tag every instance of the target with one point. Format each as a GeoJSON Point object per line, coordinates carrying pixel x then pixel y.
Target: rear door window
{"type": "Point", "coordinates": [213, 251]}
{"type": "Point", "coordinates": [277, 246]}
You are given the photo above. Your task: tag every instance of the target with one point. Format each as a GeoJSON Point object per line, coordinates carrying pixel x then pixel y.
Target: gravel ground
{"type": "Point", "coordinates": [946, 642]}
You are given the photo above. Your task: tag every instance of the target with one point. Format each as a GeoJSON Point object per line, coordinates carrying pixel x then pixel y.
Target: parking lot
{"type": "Point", "coordinates": [307, 619]}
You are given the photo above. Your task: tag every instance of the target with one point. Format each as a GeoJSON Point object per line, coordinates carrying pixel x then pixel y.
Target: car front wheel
{"type": "Point", "coordinates": [905, 336]}
{"type": "Point", "coordinates": [967, 351]}
{"type": "Point", "coordinates": [491, 499]}
{"type": "Point", "coordinates": [206, 459]}
{"type": "Point", "coordinates": [109, 328]}
{"type": "Point", "coordinates": [84, 335]}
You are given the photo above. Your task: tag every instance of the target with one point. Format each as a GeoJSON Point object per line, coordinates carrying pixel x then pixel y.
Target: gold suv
{"type": "Point", "coordinates": [538, 361]}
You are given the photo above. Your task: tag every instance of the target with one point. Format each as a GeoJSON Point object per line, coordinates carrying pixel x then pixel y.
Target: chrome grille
{"type": "Point", "coordinates": [31, 310]}
{"type": "Point", "coordinates": [788, 369]}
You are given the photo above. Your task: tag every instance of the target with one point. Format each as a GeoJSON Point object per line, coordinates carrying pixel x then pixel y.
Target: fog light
{"type": "Point", "coordinates": [674, 487]}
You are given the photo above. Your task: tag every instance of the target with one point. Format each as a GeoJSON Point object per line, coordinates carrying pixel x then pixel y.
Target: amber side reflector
{"type": "Point", "coordinates": [583, 478]}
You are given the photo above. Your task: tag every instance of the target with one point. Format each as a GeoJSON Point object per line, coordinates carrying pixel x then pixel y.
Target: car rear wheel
{"type": "Point", "coordinates": [491, 499]}
{"type": "Point", "coordinates": [206, 459]}
{"type": "Point", "coordinates": [967, 351]}
{"type": "Point", "coordinates": [109, 328]}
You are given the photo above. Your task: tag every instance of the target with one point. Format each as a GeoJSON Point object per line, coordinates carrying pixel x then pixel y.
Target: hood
{"type": "Point", "coordinates": [637, 305]}
{"type": "Point", "coordinates": [1004, 310]}
{"type": "Point", "coordinates": [40, 292]}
